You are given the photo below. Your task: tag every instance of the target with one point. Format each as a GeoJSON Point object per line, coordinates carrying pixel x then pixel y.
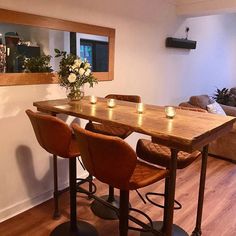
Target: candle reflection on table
{"type": "Point", "coordinates": [140, 107]}
{"type": "Point", "coordinates": [93, 110]}
{"type": "Point", "coordinates": [140, 119]}
{"type": "Point", "coordinates": [110, 114]}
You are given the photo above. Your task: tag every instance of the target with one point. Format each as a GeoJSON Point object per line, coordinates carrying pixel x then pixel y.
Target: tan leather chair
{"type": "Point", "coordinates": [112, 130]}
{"type": "Point", "coordinates": [99, 209]}
{"type": "Point", "coordinates": [57, 138]}
{"type": "Point", "coordinates": [112, 161]}
{"type": "Point", "coordinates": [152, 152]}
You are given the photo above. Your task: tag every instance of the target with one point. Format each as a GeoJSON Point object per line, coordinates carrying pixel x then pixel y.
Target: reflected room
{"type": "Point", "coordinates": [31, 49]}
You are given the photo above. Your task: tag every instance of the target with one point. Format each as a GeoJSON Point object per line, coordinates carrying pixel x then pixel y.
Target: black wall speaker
{"type": "Point", "coordinates": [180, 43]}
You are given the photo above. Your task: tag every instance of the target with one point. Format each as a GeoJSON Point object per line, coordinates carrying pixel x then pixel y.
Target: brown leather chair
{"type": "Point", "coordinates": [152, 152]}
{"type": "Point", "coordinates": [112, 161]}
{"type": "Point", "coordinates": [57, 138]}
{"type": "Point", "coordinates": [99, 209]}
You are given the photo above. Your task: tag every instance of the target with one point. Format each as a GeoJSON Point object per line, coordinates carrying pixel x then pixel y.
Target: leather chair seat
{"type": "Point", "coordinates": [145, 174]}
{"type": "Point", "coordinates": [160, 155]}
{"type": "Point", "coordinates": [108, 130]}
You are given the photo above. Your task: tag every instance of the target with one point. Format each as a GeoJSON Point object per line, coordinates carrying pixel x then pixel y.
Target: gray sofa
{"type": "Point", "coordinates": [225, 146]}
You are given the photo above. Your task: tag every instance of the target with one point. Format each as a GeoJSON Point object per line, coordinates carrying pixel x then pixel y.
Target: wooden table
{"type": "Point", "coordinates": [188, 131]}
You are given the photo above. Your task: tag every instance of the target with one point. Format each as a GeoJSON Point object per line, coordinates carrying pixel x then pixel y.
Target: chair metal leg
{"type": "Point", "coordinates": [74, 228]}
{"type": "Point", "coordinates": [104, 212]}
{"type": "Point", "coordinates": [197, 231]}
{"type": "Point", "coordinates": [111, 196]}
{"type": "Point", "coordinates": [56, 213]}
{"type": "Point", "coordinates": [124, 212]}
{"type": "Point", "coordinates": [90, 178]}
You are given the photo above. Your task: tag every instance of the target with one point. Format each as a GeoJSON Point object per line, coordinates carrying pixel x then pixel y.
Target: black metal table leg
{"type": "Point", "coordinates": [169, 199]}
{"type": "Point", "coordinates": [74, 228]}
{"type": "Point", "coordinates": [197, 231]}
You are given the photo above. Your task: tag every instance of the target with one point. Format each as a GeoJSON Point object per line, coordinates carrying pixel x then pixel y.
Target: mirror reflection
{"type": "Point", "coordinates": [31, 49]}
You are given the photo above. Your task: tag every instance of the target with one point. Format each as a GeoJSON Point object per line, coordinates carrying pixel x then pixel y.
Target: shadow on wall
{"type": "Point", "coordinates": [33, 184]}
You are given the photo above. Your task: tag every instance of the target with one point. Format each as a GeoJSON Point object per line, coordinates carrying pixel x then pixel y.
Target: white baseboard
{"type": "Point", "coordinates": [26, 204]}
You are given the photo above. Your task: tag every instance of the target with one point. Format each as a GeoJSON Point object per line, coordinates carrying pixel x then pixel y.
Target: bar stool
{"type": "Point", "coordinates": [112, 161]}
{"type": "Point", "coordinates": [160, 155]}
{"type": "Point", "coordinates": [98, 208]}
{"type": "Point", "coordinates": [56, 137]}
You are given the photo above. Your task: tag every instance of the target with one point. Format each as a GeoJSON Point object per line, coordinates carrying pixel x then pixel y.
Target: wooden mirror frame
{"type": "Point", "coordinates": [20, 18]}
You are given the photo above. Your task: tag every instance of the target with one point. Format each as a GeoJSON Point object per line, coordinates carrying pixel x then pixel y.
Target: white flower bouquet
{"type": "Point", "coordinates": [73, 74]}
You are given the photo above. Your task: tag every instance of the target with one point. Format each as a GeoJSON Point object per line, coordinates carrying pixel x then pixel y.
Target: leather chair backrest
{"type": "Point", "coordinates": [53, 134]}
{"type": "Point", "coordinates": [110, 159]}
{"type": "Point", "coordinates": [200, 101]}
{"type": "Point", "coordinates": [128, 98]}
{"type": "Point", "coordinates": [191, 109]}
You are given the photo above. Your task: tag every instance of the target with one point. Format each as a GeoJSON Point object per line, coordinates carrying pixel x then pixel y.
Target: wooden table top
{"type": "Point", "coordinates": [188, 131]}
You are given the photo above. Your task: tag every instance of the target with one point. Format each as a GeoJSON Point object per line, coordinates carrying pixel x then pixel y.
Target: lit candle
{"type": "Point", "coordinates": [170, 112]}
{"type": "Point", "coordinates": [93, 99]}
{"type": "Point", "coordinates": [8, 51]}
{"type": "Point", "coordinates": [111, 103]}
{"type": "Point", "coordinates": [140, 107]}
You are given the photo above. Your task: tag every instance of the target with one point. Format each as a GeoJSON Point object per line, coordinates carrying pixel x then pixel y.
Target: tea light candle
{"type": "Point", "coordinates": [140, 107]}
{"type": "Point", "coordinates": [93, 99]}
{"type": "Point", "coordinates": [170, 112]}
{"type": "Point", "coordinates": [111, 103]}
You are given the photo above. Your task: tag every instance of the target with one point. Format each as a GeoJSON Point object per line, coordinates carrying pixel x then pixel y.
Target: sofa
{"type": "Point", "coordinates": [225, 146]}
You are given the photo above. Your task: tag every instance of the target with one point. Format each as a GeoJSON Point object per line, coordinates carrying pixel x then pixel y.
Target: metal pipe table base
{"type": "Point", "coordinates": [157, 225]}
{"type": "Point", "coordinates": [73, 227]}
{"type": "Point", "coordinates": [197, 231]}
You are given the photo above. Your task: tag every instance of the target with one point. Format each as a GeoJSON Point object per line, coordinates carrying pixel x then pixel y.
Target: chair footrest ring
{"type": "Point", "coordinates": [82, 181]}
{"type": "Point", "coordinates": [179, 206]}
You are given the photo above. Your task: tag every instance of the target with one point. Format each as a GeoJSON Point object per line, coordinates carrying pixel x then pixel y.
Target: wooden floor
{"type": "Point", "coordinates": [219, 218]}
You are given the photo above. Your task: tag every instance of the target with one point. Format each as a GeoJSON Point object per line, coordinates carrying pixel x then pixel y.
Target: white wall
{"type": "Point", "coordinates": [142, 66]}
{"type": "Point", "coordinates": [212, 64]}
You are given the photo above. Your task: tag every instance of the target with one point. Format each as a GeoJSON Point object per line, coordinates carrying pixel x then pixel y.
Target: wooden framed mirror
{"type": "Point", "coordinates": [36, 23]}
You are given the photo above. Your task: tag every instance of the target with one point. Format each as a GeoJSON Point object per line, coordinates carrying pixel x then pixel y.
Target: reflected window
{"type": "Point", "coordinates": [96, 52]}
{"type": "Point", "coordinates": [86, 49]}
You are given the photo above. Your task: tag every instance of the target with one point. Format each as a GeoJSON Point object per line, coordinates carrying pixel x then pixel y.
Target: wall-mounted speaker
{"type": "Point", "coordinates": [180, 43]}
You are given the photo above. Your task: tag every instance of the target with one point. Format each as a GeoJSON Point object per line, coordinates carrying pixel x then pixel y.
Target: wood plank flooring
{"type": "Point", "coordinates": [219, 216]}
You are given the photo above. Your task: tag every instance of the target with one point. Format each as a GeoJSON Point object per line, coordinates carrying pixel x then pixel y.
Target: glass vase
{"type": "Point", "coordinates": [75, 94]}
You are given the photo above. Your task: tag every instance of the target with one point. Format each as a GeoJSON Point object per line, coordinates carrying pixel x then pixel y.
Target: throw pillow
{"type": "Point", "coordinates": [215, 108]}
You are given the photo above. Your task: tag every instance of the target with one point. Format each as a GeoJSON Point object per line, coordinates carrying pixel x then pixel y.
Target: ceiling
{"type": "Point", "coordinates": [204, 7]}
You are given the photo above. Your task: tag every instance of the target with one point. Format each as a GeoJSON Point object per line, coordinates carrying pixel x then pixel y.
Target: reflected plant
{"type": "Point", "coordinates": [37, 64]}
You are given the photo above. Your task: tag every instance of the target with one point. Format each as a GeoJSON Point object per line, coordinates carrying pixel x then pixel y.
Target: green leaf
{"type": "Point", "coordinates": [57, 51]}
